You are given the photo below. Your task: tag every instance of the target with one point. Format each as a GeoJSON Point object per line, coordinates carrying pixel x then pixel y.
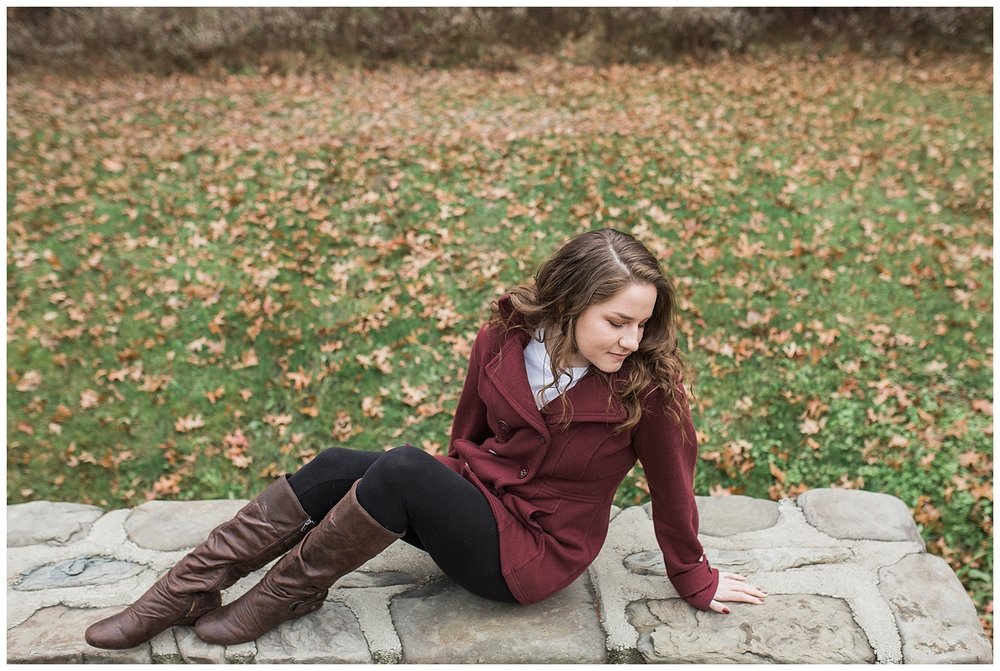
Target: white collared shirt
{"type": "Point", "coordinates": [539, 368]}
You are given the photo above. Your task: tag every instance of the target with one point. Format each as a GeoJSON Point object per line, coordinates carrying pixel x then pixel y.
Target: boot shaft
{"type": "Point", "coordinates": [265, 528]}
{"type": "Point", "coordinates": [262, 530]}
{"type": "Point", "coordinates": [297, 584]}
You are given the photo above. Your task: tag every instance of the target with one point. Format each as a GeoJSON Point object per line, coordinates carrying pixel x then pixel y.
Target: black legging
{"type": "Point", "coordinates": [408, 489]}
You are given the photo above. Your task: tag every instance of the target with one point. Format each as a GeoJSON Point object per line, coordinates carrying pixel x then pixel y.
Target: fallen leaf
{"type": "Point", "coordinates": [299, 378]}
{"type": "Point", "coordinates": [30, 381]}
{"type": "Point", "coordinates": [778, 474]}
{"type": "Point", "coordinates": [89, 399]}
{"type": "Point", "coordinates": [983, 406]}
{"type": "Point", "coordinates": [810, 427]}
{"type": "Point", "coordinates": [189, 423]}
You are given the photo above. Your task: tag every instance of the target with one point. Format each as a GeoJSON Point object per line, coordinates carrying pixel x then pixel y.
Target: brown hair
{"type": "Point", "coordinates": [589, 269]}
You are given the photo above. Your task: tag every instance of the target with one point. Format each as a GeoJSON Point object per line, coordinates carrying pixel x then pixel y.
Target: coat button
{"type": "Point", "coordinates": [523, 473]}
{"type": "Point", "coordinates": [541, 439]}
{"type": "Point", "coordinates": [504, 428]}
{"type": "Point", "coordinates": [494, 491]}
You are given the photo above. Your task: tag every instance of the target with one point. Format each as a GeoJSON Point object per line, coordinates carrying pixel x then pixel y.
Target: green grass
{"type": "Point", "coordinates": [318, 267]}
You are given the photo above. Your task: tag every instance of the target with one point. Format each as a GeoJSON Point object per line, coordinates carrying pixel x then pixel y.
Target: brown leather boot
{"type": "Point", "coordinates": [298, 583]}
{"type": "Point", "coordinates": [262, 530]}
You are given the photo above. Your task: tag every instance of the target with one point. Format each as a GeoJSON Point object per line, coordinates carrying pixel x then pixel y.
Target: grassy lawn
{"type": "Point", "coordinates": [210, 279]}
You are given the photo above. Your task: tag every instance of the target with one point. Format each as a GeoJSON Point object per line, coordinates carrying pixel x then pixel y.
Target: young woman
{"type": "Point", "coordinates": [570, 382]}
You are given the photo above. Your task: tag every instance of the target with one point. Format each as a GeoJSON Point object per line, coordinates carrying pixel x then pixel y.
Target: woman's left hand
{"type": "Point", "coordinates": [734, 587]}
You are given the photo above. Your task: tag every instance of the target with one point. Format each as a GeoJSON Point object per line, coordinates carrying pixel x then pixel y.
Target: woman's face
{"type": "Point", "coordinates": [607, 333]}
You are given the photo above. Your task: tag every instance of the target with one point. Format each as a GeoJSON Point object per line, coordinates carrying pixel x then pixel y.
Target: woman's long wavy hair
{"type": "Point", "coordinates": [590, 269]}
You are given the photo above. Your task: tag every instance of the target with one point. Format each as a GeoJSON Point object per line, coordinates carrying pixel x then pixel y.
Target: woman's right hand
{"type": "Point", "coordinates": [733, 587]}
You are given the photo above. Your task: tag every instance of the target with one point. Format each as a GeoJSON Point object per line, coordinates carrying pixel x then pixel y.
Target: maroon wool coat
{"type": "Point", "coordinates": [550, 489]}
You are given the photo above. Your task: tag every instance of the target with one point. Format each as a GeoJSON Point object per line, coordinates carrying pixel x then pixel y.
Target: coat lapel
{"type": "Point", "coordinates": [507, 372]}
{"type": "Point", "coordinates": [590, 399]}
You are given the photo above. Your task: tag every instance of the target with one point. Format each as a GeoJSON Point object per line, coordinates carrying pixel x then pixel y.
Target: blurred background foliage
{"type": "Point", "coordinates": [183, 39]}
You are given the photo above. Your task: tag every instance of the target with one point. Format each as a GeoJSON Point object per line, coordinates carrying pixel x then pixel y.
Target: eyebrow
{"type": "Point", "coordinates": [628, 318]}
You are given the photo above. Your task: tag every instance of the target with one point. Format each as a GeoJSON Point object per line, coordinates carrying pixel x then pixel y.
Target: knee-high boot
{"type": "Point", "coordinates": [298, 583]}
{"type": "Point", "coordinates": [263, 529]}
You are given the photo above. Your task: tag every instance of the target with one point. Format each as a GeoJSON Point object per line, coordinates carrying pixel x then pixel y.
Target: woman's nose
{"type": "Point", "coordinates": [630, 341]}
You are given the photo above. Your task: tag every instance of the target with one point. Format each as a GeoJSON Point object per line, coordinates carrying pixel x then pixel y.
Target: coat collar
{"type": "Point", "coordinates": [591, 400]}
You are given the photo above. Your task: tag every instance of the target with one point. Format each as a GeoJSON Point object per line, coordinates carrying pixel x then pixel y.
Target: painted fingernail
{"type": "Point", "coordinates": [726, 611]}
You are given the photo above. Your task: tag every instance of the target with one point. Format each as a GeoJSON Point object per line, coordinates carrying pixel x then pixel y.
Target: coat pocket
{"type": "Point", "coordinates": [528, 512]}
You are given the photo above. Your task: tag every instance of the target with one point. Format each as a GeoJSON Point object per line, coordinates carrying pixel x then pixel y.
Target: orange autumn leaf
{"type": "Point", "coordinates": [189, 423]}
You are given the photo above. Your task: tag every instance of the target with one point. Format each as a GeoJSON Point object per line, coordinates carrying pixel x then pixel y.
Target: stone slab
{"type": "Point", "coordinates": [399, 607]}
{"type": "Point", "coordinates": [196, 651]}
{"type": "Point", "coordinates": [859, 515]}
{"type": "Point", "coordinates": [442, 623]}
{"type": "Point", "coordinates": [937, 620]}
{"type": "Point", "coordinates": [64, 523]}
{"type": "Point", "coordinates": [787, 629]}
{"type": "Point", "coordinates": [54, 635]}
{"type": "Point", "coordinates": [729, 515]}
{"type": "Point", "coordinates": [745, 562]}
{"type": "Point", "coordinates": [177, 525]}
{"type": "Point", "coordinates": [78, 572]}
{"type": "Point", "coordinates": [164, 648]}
{"type": "Point", "coordinates": [241, 653]}
{"type": "Point", "coordinates": [361, 579]}
{"type": "Point", "coordinates": [331, 635]}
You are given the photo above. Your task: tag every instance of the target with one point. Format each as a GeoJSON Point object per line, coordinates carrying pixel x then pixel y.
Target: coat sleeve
{"type": "Point", "coordinates": [668, 451]}
{"type": "Point", "coordinates": [470, 414]}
